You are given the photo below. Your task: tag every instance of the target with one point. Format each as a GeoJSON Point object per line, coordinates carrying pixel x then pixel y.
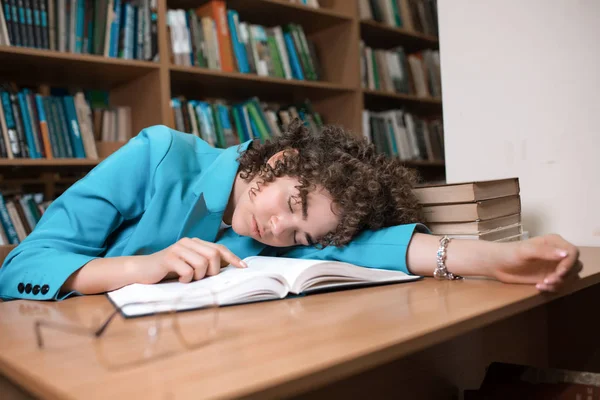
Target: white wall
{"type": "Point", "coordinates": [521, 95]}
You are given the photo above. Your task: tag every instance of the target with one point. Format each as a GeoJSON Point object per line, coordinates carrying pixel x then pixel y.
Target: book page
{"type": "Point", "coordinates": [231, 285]}
{"type": "Point", "coordinates": [288, 268]}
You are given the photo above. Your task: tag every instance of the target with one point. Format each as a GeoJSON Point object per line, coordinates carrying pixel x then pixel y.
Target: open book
{"type": "Point", "coordinates": [266, 278]}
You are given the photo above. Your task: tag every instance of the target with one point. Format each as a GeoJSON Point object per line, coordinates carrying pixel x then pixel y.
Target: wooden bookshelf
{"type": "Point", "coordinates": [147, 87]}
{"type": "Point", "coordinates": [385, 36]}
{"type": "Point", "coordinates": [55, 162]}
{"type": "Point", "coordinates": [25, 65]}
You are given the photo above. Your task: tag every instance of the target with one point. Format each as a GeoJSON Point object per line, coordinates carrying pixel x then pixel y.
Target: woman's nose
{"type": "Point", "coordinates": [277, 225]}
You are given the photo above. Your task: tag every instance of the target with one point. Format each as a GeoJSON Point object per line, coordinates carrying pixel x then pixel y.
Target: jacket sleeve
{"type": "Point", "coordinates": [385, 248]}
{"type": "Point", "coordinates": [75, 227]}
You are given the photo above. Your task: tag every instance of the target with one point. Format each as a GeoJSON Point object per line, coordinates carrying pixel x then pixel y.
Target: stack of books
{"type": "Point", "coordinates": [485, 210]}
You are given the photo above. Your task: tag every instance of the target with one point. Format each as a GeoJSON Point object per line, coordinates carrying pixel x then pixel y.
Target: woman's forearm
{"type": "Point", "coordinates": [463, 257]}
{"type": "Point", "coordinates": [103, 274]}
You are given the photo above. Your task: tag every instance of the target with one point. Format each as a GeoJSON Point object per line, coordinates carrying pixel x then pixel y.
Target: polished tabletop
{"type": "Point", "coordinates": [271, 348]}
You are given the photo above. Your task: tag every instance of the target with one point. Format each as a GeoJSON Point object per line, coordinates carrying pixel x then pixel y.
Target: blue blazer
{"type": "Point", "coordinates": [161, 186]}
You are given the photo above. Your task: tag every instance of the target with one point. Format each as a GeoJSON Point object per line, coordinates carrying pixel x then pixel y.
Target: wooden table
{"type": "Point", "coordinates": [427, 338]}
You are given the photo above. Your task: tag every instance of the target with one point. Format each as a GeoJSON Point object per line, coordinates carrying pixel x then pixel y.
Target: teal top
{"type": "Point", "coordinates": [161, 186]}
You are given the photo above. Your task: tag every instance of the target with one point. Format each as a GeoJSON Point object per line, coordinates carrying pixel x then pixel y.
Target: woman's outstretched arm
{"type": "Point", "coordinates": [546, 261]}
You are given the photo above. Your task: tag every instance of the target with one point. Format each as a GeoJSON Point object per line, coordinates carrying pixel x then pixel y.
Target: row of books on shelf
{"type": "Point", "coordinates": [58, 123]}
{"type": "Point", "coordinates": [222, 124]}
{"type": "Point", "coordinates": [412, 15]}
{"type": "Point", "coordinates": [394, 71]}
{"type": "Point", "coordinates": [113, 28]}
{"type": "Point", "coordinates": [19, 214]}
{"type": "Point", "coordinates": [482, 210]}
{"type": "Point", "coordinates": [401, 134]}
{"type": "Point", "coordinates": [213, 37]}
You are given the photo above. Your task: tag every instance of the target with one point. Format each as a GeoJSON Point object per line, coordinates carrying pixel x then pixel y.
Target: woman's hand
{"type": "Point", "coordinates": [189, 259]}
{"type": "Point", "coordinates": [546, 261]}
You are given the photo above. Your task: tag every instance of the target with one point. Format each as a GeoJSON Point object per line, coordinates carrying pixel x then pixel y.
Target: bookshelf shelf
{"type": "Point", "coordinates": [235, 84]}
{"type": "Point", "coordinates": [384, 36]}
{"type": "Point", "coordinates": [41, 162]}
{"type": "Point", "coordinates": [424, 163]}
{"type": "Point", "coordinates": [409, 98]}
{"type": "Point", "coordinates": [273, 12]}
{"type": "Point", "coordinates": [25, 65]}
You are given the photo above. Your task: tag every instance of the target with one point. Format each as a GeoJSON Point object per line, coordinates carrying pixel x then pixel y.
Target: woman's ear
{"type": "Point", "coordinates": [279, 156]}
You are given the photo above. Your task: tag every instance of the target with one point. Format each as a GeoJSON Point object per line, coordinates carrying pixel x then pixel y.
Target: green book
{"type": "Point", "coordinates": [275, 55]}
{"type": "Point", "coordinates": [218, 126]}
{"type": "Point", "coordinates": [254, 113]}
{"type": "Point", "coordinates": [306, 51]}
{"type": "Point", "coordinates": [375, 70]}
{"type": "Point", "coordinates": [238, 124]}
{"type": "Point", "coordinates": [397, 16]}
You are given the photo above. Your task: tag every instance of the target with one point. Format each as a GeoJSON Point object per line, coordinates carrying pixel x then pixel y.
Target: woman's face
{"type": "Point", "coordinates": [275, 216]}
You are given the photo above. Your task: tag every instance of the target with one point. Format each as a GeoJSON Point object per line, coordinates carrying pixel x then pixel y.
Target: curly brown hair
{"type": "Point", "coordinates": [369, 190]}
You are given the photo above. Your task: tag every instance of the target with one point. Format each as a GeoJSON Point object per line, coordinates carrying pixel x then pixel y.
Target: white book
{"type": "Point", "coordinates": [4, 38]}
{"type": "Point", "coordinates": [266, 278]}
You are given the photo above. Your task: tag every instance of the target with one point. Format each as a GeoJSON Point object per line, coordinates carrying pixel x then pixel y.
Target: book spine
{"type": "Point", "coordinates": [294, 61]}
{"type": "Point", "coordinates": [238, 124]}
{"type": "Point", "coordinates": [52, 37]}
{"type": "Point", "coordinates": [3, 143]}
{"type": "Point", "coordinates": [11, 128]}
{"type": "Point", "coordinates": [139, 32]}
{"type": "Point", "coordinates": [44, 24]}
{"type": "Point", "coordinates": [9, 228]}
{"type": "Point", "coordinates": [37, 24]}
{"type": "Point", "coordinates": [25, 39]}
{"type": "Point", "coordinates": [39, 104]}
{"type": "Point", "coordinates": [238, 47]}
{"type": "Point", "coordinates": [29, 218]}
{"type": "Point", "coordinates": [7, 26]}
{"type": "Point", "coordinates": [19, 126]}
{"type": "Point", "coordinates": [275, 56]}
{"type": "Point", "coordinates": [218, 128]}
{"type": "Point", "coordinates": [17, 39]}
{"type": "Point", "coordinates": [52, 128]}
{"type": "Point", "coordinates": [99, 32]}
{"type": "Point", "coordinates": [71, 114]}
{"type": "Point", "coordinates": [5, 134]}
{"type": "Point", "coordinates": [301, 37]}
{"type": "Point", "coordinates": [34, 122]}
{"type": "Point", "coordinates": [63, 132]}
{"type": "Point", "coordinates": [27, 4]}
{"type": "Point", "coordinates": [114, 29]}
{"type": "Point", "coordinates": [26, 121]}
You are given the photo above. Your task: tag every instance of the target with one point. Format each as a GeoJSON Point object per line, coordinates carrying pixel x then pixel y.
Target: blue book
{"type": "Point", "coordinates": [238, 117]}
{"type": "Point", "coordinates": [255, 131]}
{"type": "Point", "coordinates": [63, 124]}
{"type": "Point", "coordinates": [245, 129]}
{"type": "Point", "coordinates": [7, 224]}
{"type": "Point", "coordinates": [73, 126]}
{"type": "Point", "coordinates": [129, 22]}
{"type": "Point", "coordinates": [293, 56]}
{"type": "Point", "coordinates": [79, 25]}
{"type": "Point", "coordinates": [238, 48]}
{"type": "Point", "coordinates": [27, 126]}
{"type": "Point", "coordinates": [114, 30]}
